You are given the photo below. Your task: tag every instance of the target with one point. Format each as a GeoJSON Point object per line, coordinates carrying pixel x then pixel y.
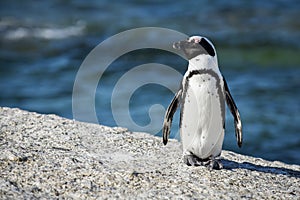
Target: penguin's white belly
{"type": "Point", "coordinates": [202, 116]}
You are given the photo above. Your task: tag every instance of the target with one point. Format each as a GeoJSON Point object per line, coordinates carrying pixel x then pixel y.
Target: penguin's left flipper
{"type": "Point", "coordinates": [235, 113]}
{"type": "Point", "coordinates": [169, 116]}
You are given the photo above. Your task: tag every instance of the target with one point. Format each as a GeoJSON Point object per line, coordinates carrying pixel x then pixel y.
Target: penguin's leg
{"type": "Point", "coordinates": [191, 160]}
{"type": "Point", "coordinates": [213, 163]}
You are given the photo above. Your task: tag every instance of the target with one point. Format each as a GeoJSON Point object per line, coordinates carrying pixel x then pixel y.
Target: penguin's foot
{"type": "Point", "coordinates": [192, 160]}
{"type": "Point", "coordinates": [211, 163]}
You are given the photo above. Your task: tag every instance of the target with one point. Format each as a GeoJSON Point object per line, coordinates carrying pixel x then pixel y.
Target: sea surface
{"type": "Point", "coordinates": [44, 43]}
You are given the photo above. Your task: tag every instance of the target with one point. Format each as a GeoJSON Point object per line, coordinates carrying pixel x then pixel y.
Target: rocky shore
{"type": "Point", "coordinates": [49, 157]}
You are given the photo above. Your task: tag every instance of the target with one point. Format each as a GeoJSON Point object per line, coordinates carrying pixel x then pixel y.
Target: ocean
{"type": "Point", "coordinates": [45, 43]}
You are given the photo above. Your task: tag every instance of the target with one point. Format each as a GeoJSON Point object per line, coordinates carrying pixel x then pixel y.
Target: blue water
{"type": "Point", "coordinates": [43, 44]}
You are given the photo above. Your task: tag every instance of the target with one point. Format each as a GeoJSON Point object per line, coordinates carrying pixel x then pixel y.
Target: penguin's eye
{"type": "Point", "coordinates": [192, 40]}
{"type": "Point", "coordinates": [196, 40]}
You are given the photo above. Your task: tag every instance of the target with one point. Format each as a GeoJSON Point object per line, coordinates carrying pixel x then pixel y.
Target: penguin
{"type": "Point", "coordinates": [201, 98]}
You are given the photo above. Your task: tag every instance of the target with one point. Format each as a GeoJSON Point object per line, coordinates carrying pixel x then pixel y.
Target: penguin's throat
{"type": "Point", "coordinates": [197, 64]}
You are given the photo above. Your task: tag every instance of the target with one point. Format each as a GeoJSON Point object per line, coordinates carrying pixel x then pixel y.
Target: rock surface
{"type": "Point", "coordinates": [49, 157]}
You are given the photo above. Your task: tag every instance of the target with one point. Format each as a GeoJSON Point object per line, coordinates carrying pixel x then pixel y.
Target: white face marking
{"type": "Point", "coordinates": [195, 38]}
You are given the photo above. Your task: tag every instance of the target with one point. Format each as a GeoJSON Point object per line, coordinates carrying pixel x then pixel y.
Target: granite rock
{"type": "Point", "coordinates": [49, 157]}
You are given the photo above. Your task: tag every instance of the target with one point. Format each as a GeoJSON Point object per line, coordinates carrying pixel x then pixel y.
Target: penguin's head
{"type": "Point", "coordinates": [195, 46]}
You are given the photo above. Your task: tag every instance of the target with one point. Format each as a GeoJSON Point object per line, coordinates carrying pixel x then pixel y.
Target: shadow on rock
{"type": "Point", "coordinates": [228, 164]}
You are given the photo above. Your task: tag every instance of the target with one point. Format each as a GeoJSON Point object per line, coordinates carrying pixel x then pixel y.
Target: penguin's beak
{"type": "Point", "coordinates": [177, 45]}
{"type": "Point", "coordinates": [180, 45]}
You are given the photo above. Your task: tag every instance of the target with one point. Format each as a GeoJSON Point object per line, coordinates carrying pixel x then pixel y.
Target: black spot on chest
{"type": "Point", "coordinates": [218, 93]}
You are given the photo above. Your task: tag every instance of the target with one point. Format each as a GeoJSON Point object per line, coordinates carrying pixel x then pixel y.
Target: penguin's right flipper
{"type": "Point", "coordinates": [169, 116]}
{"type": "Point", "coordinates": [235, 113]}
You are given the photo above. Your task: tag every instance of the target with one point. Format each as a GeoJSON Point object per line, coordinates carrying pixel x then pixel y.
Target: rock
{"type": "Point", "coordinates": [46, 156]}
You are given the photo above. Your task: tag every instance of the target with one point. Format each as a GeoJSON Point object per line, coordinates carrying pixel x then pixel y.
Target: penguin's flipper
{"type": "Point", "coordinates": [235, 113]}
{"type": "Point", "coordinates": [169, 116]}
